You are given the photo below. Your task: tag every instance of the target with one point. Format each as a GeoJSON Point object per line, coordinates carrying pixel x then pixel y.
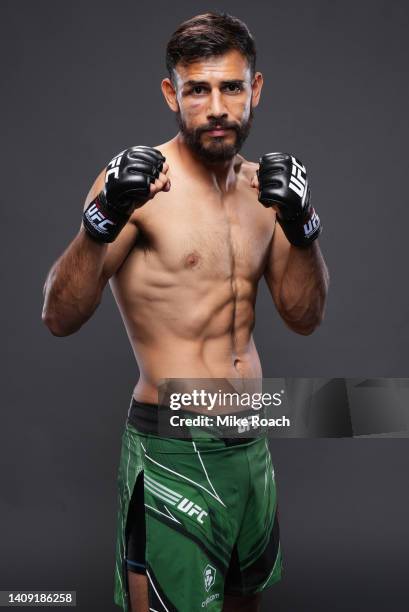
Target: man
{"type": "Point", "coordinates": [183, 232]}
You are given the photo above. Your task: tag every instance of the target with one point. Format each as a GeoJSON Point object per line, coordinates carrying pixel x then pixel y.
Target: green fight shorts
{"type": "Point", "coordinates": [207, 519]}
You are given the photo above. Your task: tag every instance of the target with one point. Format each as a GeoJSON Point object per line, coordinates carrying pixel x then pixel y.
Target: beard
{"type": "Point", "coordinates": [217, 150]}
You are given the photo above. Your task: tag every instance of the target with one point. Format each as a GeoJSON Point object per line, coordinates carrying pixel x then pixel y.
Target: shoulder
{"type": "Point", "coordinates": [165, 148]}
{"type": "Point", "coordinates": [246, 168]}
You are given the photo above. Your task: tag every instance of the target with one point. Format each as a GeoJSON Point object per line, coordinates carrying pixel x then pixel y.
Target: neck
{"type": "Point", "coordinates": [221, 175]}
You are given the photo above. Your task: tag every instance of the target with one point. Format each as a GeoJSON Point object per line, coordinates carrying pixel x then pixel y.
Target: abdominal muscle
{"type": "Point", "coordinates": [185, 332]}
{"type": "Point", "coordinates": [193, 361]}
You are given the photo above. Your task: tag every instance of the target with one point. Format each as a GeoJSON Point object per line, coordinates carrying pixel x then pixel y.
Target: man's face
{"type": "Point", "coordinates": [215, 105]}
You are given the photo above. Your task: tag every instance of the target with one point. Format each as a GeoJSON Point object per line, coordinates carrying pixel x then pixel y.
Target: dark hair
{"type": "Point", "coordinates": [209, 35]}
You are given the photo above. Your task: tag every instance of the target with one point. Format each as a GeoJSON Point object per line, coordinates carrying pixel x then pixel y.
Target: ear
{"type": "Point", "coordinates": [169, 94]}
{"type": "Point", "coordinates": [256, 88]}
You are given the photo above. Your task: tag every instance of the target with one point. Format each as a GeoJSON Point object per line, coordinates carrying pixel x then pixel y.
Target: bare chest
{"type": "Point", "coordinates": [205, 236]}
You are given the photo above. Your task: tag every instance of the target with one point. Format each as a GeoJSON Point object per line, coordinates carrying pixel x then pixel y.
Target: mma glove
{"type": "Point", "coordinates": [283, 183]}
{"type": "Point", "coordinates": [127, 186]}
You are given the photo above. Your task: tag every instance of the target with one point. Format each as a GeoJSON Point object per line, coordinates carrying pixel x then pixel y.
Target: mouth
{"type": "Point", "coordinates": [217, 131]}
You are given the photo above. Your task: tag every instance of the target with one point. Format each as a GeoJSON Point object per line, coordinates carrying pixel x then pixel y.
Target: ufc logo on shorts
{"type": "Point", "coordinates": [189, 508]}
{"type": "Point", "coordinates": [245, 426]}
{"type": "Point", "coordinates": [298, 180]}
{"type": "Point", "coordinates": [97, 218]}
{"type": "Point", "coordinates": [312, 225]}
{"type": "Point", "coordinates": [113, 167]}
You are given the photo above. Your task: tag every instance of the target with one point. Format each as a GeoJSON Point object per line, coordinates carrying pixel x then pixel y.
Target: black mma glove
{"type": "Point", "coordinates": [283, 182]}
{"type": "Point", "coordinates": [127, 186]}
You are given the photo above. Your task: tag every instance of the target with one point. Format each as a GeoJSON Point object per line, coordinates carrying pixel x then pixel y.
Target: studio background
{"type": "Point", "coordinates": [81, 81]}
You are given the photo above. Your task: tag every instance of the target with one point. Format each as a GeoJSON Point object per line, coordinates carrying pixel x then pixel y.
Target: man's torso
{"type": "Point", "coordinates": [187, 289]}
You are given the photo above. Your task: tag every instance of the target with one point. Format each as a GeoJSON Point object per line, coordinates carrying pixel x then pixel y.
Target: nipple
{"type": "Point", "coordinates": [192, 260]}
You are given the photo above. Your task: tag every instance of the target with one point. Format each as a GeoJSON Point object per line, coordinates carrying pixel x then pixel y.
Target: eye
{"type": "Point", "coordinates": [198, 89]}
{"type": "Point", "coordinates": [233, 87]}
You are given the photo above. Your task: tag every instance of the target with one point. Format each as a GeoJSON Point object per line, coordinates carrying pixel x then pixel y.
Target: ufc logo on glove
{"type": "Point", "coordinates": [298, 178]}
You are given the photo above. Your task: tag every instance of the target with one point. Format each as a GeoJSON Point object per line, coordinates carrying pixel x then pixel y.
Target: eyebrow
{"type": "Point", "coordinates": [193, 83]}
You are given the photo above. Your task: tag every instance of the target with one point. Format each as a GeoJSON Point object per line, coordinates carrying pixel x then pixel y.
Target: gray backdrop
{"type": "Point", "coordinates": [81, 82]}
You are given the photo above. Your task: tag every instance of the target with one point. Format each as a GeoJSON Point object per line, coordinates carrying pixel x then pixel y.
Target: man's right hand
{"type": "Point", "coordinates": [131, 179]}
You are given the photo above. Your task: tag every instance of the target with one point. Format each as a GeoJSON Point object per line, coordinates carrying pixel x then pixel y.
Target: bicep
{"type": "Point", "coordinates": [277, 262]}
{"type": "Point", "coordinates": [117, 250]}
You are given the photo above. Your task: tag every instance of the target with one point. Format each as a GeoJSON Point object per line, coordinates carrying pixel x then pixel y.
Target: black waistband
{"type": "Point", "coordinates": [145, 418]}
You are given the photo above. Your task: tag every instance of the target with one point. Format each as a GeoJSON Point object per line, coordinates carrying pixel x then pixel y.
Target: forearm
{"type": "Point", "coordinates": [303, 289]}
{"type": "Point", "coordinates": [74, 285]}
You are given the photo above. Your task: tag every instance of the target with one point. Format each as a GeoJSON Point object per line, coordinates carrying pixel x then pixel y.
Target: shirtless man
{"type": "Point", "coordinates": [183, 232]}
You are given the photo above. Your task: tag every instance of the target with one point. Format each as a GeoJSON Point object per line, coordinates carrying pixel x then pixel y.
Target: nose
{"type": "Point", "coordinates": [216, 108]}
